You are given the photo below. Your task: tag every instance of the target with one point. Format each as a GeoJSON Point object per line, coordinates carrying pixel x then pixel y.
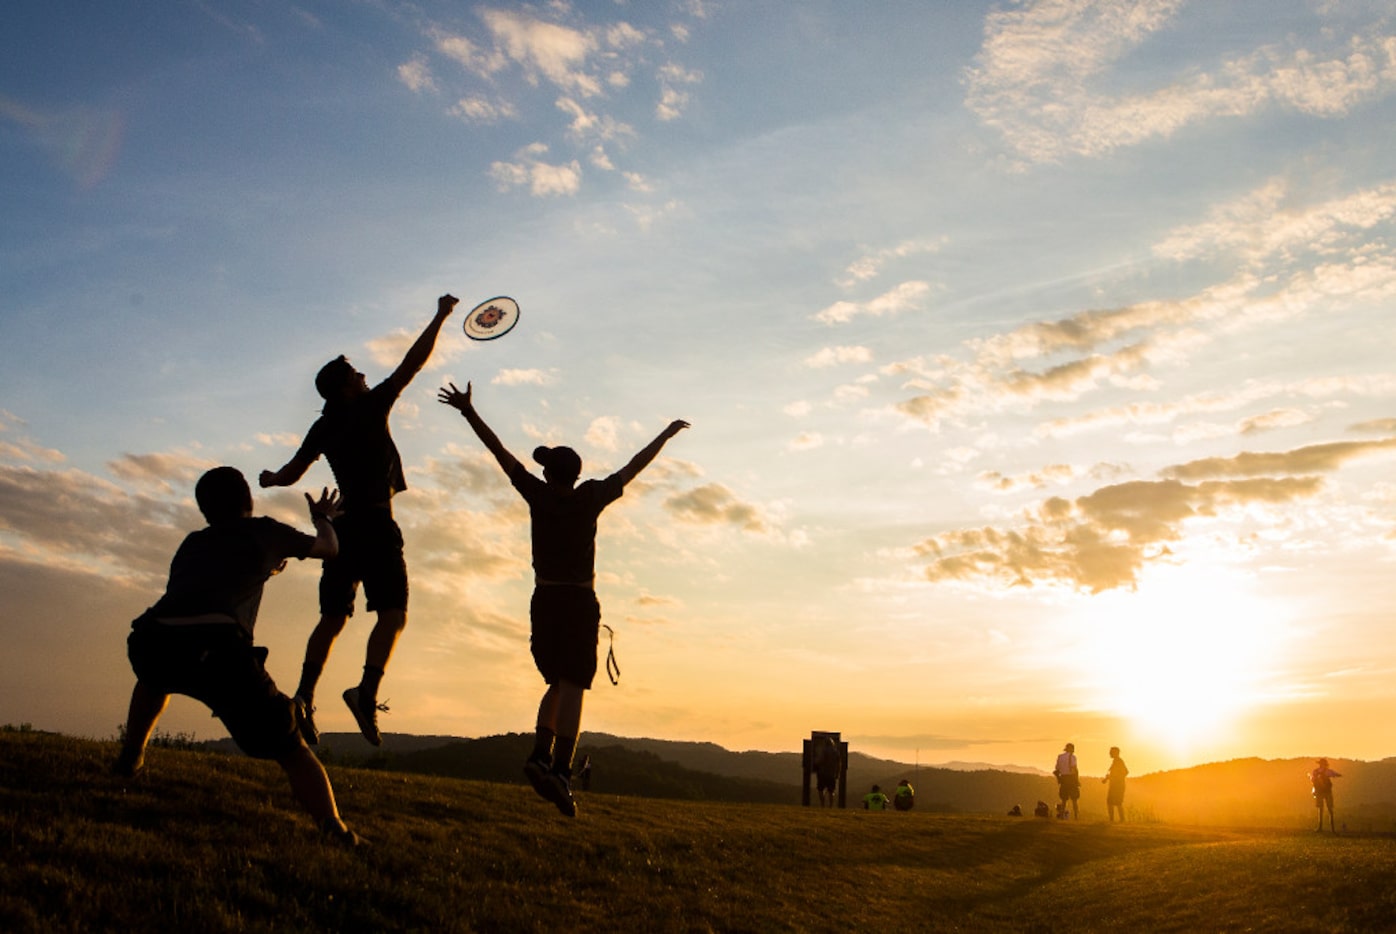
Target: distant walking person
{"type": "Point", "coordinates": [1115, 794]}
{"type": "Point", "coordinates": [352, 433]}
{"type": "Point", "coordinates": [1068, 779]}
{"type": "Point", "coordinates": [584, 773]}
{"type": "Point", "coordinates": [197, 638]}
{"type": "Point", "coordinates": [564, 614]}
{"type": "Point", "coordinates": [875, 800]}
{"type": "Point", "coordinates": [1322, 779]}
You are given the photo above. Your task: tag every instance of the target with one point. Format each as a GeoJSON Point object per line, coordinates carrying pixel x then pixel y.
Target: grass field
{"type": "Point", "coordinates": [205, 842]}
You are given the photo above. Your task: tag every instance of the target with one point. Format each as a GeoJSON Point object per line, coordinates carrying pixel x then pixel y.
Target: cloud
{"type": "Point", "coordinates": [587, 125]}
{"type": "Point", "coordinates": [550, 50]}
{"type": "Point", "coordinates": [1314, 458]}
{"type": "Point", "coordinates": [1051, 475]}
{"type": "Point", "coordinates": [543, 179]}
{"type": "Point", "coordinates": [512, 377]}
{"type": "Point", "coordinates": [478, 109]}
{"type": "Point", "coordinates": [1044, 78]}
{"type": "Point", "coordinates": [672, 96]}
{"type": "Point", "coordinates": [1101, 541]}
{"type": "Point", "coordinates": [871, 264]}
{"type": "Point", "coordinates": [163, 472]}
{"type": "Point", "coordinates": [904, 297]}
{"type": "Point", "coordinates": [416, 74]}
{"type": "Point", "coordinates": [715, 504]}
{"type": "Point", "coordinates": [72, 519]}
{"type": "Point", "coordinates": [604, 433]}
{"type": "Point", "coordinates": [833, 356]}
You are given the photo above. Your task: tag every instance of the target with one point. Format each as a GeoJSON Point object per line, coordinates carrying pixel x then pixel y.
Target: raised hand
{"type": "Point", "coordinates": [454, 397]}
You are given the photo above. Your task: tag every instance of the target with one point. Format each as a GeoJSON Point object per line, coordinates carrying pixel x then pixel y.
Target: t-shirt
{"type": "Point", "coordinates": [564, 524]}
{"type": "Point", "coordinates": [353, 435]}
{"type": "Point", "coordinates": [220, 570]}
{"type": "Point", "coordinates": [1066, 764]}
{"type": "Point", "coordinates": [875, 801]}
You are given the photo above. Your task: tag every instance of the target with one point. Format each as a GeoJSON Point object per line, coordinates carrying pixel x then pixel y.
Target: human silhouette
{"type": "Point", "coordinates": [564, 614]}
{"type": "Point", "coordinates": [196, 639]}
{"type": "Point", "coordinates": [826, 764]}
{"type": "Point", "coordinates": [1115, 777]}
{"type": "Point", "coordinates": [584, 773]}
{"type": "Point", "coordinates": [1321, 779]}
{"type": "Point", "coordinates": [904, 798]}
{"type": "Point", "coordinates": [875, 800]}
{"type": "Point", "coordinates": [352, 433]}
{"type": "Point", "coordinates": [1068, 779]}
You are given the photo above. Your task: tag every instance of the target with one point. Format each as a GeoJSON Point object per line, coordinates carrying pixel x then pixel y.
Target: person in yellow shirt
{"type": "Point", "coordinates": [905, 797]}
{"type": "Point", "coordinates": [875, 800]}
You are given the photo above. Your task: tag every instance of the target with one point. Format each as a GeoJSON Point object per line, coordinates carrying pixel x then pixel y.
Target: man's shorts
{"type": "Point", "coordinates": [566, 623]}
{"type": "Point", "coordinates": [370, 550]}
{"type": "Point", "coordinates": [218, 665]}
{"type": "Point", "coordinates": [1069, 787]}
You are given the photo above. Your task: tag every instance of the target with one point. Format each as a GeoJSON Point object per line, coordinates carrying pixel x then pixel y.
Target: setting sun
{"type": "Point", "coordinates": [1184, 655]}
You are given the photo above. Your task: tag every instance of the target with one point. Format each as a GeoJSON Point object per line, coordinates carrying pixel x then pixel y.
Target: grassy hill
{"type": "Point", "coordinates": [212, 842]}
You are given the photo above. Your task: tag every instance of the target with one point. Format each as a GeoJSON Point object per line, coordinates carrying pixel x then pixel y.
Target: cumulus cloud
{"type": "Point", "coordinates": [416, 74]}
{"type": "Point", "coordinates": [1043, 78]}
{"type": "Point", "coordinates": [480, 109]}
{"type": "Point", "coordinates": [904, 297]}
{"type": "Point", "coordinates": [542, 179]}
{"type": "Point", "coordinates": [1103, 540]}
{"type": "Point", "coordinates": [163, 471]}
{"type": "Point", "coordinates": [715, 504]}
{"type": "Point", "coordinates": [673, 98]}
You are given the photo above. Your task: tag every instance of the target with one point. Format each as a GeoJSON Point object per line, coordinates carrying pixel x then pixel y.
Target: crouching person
{"type": "Point", "coordinates": [197, 638]}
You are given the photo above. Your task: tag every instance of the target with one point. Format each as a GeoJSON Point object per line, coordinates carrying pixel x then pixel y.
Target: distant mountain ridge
{"type": "Point", "coordinates": [1249, 791]}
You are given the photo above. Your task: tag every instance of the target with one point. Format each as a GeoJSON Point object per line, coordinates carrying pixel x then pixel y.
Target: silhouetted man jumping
{"type": "Point", "coordinates": [564, 614]}
{"type": "Point", "coordinates": [352, 434]}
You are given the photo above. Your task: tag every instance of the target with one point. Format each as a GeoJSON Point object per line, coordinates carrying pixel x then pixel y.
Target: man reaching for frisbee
{"type": "Point", "coordinates": [564, 614]}
{"type": "Point", "coordinates": [352, 433]}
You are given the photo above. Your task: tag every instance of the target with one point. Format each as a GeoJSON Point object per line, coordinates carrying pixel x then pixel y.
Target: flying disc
{"type": "Point", "coordinates": [492, 318]}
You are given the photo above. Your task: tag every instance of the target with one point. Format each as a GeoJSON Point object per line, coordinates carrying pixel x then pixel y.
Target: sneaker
{"type": "Point", "coordinates": [365, 714]}
{"type": "Point", "coordinates": [305, 720]}
{"type": "Point", "coordinates": [537, 772]}
{"type": "Point", "coordinates": [557, 788]}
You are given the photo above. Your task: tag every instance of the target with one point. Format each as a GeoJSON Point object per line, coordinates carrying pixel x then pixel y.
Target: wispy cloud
{"type": "Point", "coordinates": [1043, 78]}
{"type": "Point", "coordinates": [904, 297]}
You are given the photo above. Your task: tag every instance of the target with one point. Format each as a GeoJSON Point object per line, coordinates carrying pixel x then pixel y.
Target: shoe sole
{"type": "Point", "coordinates": [366, 725]}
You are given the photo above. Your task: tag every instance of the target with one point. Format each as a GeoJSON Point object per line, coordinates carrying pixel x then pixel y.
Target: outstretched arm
{"type": "Point", "coordinates": [462, 401]}
{"type": "Point", "coordinates": [293, 470]}
{"type": "Point", "coordinates": [322, 513]}
{"type": "Point", "coordinates": [648, 453]}
{"type": "Point", "coordinates": [417, 354]}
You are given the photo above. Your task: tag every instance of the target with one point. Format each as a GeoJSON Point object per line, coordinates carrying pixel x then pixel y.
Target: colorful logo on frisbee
{"type": "Point", "coordinates": [492, 318]}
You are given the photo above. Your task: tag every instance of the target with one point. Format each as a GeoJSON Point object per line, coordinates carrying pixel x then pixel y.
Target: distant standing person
{"type": "Point", "coordinates": [1068, 779]}
{"type": "Point", "coordinates": [584, 773]}
{"type": "Point", "coordinates": [352, 433]}
{"type": "Point", "coordinates": [196, 639]}
{"type": "Point", "coordinates": [1115, 777]}
{"type": "Point", "coordinates": [1322, 779]}
{"type": "Point", "coordinates": [564, 614]}
{"type": "Point", "coordinates": [875, 800]}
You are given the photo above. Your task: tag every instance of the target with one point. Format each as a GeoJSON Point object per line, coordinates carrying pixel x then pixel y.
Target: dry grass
{"type": "Point", "coordinates": [215, 843]}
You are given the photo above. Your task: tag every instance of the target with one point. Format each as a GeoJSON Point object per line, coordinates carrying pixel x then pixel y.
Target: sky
{"type": "Point", "coordinates": [1037, 355]}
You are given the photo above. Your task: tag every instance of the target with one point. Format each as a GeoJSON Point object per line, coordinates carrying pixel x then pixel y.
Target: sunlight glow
{"type": "Point", "coordinates": [1183, 656]}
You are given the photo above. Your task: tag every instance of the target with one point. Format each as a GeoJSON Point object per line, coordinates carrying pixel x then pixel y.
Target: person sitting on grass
{"type": "Point", "coordinates": [875, 800]}
{"type": "Point", "coordinates": [564, 614]}
{"type": "Point", "coordinates": [196, 640]}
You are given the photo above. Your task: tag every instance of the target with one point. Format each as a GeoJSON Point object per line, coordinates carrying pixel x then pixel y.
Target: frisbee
{"type": "Point", "coordinates": [492, 318]}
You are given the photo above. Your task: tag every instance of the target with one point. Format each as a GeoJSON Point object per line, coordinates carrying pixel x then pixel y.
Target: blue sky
{"type": "Point", "coordinates": [1037, 354]}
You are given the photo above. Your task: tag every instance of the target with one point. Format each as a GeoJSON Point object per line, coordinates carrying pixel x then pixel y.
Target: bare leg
{"type": "Point", "coordinates": [146, 707]}
{"type": "Point", "coordinates": [311, 785]}
{"type": "Point", "coordinates": [317, 652]}
{"type": "Point", "coordinates": [383, 638]}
